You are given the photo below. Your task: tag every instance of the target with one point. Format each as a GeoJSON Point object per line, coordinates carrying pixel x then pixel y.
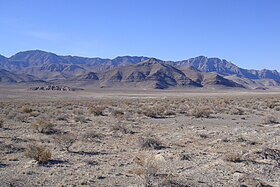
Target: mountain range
{"type": "Point", "coordinates": [132, 71]}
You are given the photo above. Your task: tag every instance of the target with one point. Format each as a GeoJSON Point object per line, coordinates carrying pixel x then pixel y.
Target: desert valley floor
{"type": "Point", "coordinates": [107, 137]}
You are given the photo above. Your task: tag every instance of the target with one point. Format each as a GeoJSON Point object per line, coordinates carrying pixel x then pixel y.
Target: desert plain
{"type": "Point", "coordinates": [137, 137]}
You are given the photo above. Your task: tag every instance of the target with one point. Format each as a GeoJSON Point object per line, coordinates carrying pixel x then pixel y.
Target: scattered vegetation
{"type": "Point", "coordinates": [110, 132]}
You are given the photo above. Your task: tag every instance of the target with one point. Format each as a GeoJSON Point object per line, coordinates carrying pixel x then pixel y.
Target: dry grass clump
{"type": "Point", "coordinates": [237, 111]}
{"type": "Point", "coordinates": [183, 109]}
{"type": "Point", "coordinates": [201, 112]}
{"type": "Point", "coordinates": [97, 110]}
{"type": "Point", "coordinates": [38, 153]}
{"type": "Point", "coordinates": [184, 156]}
{"type": "Point", "coordinates": [34, 114]}
{"type": "Point", "coordinates": [158, 111]}
{"type": "Point", "coordinates": [93, 136]}
{"type": "Point", "coordinates": [44, 126]}
{"type": "Point", "coordinates": [169, 112]}
{"type": "Point", "coordinates": [121, 127]}
{"type": "Point", "coordinates": [233, 157]}
{"type": "Point", "coordinates": [81, 119]}
{"type": "Point", "coordinates": [22, 117]}
{"type": "Point", "coordinates": [150, 142]}
{"type": "Point", "coordinates": [268, 153]}
{"type": "Point", "coordinates": [148, 171]}
{"type": "Point", "coordinates": [65, 141]}
{"type": "Point", "coordinates": [11, 115]}
{"type": "Point", "coordinates": [62, 117]}
{"type": "Point", "coordinates": [1, 123]}
{"type": "Point", "coordinates": [150, 112]}
{"type": "Point", "coordinates": [272, 103]}
{"type": "Point", "coordinates": [26, 109]}
{"type": "Point", "coordinates": [118, 113]}
{"type": "Point", "coordinates": [78, 112]}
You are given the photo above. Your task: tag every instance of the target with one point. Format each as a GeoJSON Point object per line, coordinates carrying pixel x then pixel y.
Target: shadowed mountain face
{"type": "Point", "coordinates": [151, 73]}
{"type": "Point", "coordinates": [210, 80]}
{"type": "Point", "coordinates": [133, 71]}
{"type": "Point", "coordinates": [9, 77]}
{"type": "Point", "coordinates": [2, 58]}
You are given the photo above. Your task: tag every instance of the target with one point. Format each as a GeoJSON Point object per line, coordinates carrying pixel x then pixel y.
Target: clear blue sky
{"type": "Point", "coordinates": [246, 32]}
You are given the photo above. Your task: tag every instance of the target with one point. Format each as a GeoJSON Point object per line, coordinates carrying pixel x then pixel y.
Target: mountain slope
{"type": "Point", "coordinates": [255, 83]}
{"type": "Point", "coordinates": [2, 58]}
{"type": "Point", "coordinates": [210, 80]}
{"type": "Point", "coordinates": [226, 68]}
{"type": "Point", "coordinates": [9, 77]}
{"type": "Point", "coordinates": [91, 76]}
{"type": "Point", "coordinates": [34, 58]}
{"type": "Point", "coordinates": [150, 73]}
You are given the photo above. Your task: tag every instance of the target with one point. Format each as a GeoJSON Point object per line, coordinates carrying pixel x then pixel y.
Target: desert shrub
{"type": "Point", "coordinates": [150, 142]}
{"type": "Point", "coordinates": [169, 113]}
{"type": "Point", "coordinates": [12, 115]}
{"type": "Point", "coordinates": [34, 114]}
{"type": "Point", "coordinates": [204, 136]}
{"type": "Point", "coordinates": [61, 118]}
{"type": "Point", "coordinates": [201, 112]}
{"type": "Point", "coordinates": [121, 127]}
{"type": "Point", "coordinates": [277, 108]}
{"type": "Point", "coordinates": [92, 136]}
{"type": "Point", "coordinates": [78, 112]}
{"type": "Point", "coordinates": [22, 117]}
{"type": "Point", "coordinates": [81, 119]}
{"type": "Point", "coordinates": [184, 156]}
{"type": "Point", "coordinates": [272, 104]}
{"type": "Point", "coordinates": [1, 123]}
{"type": "Point", "coordinates": [148, 171]}
{"type": "Point", "coordinates": [269, 119]}
{"type": "Point", "coordinates": [268, 153]}
{"type": "Point", "coordinates": [26, 109]}
{"type": "Point", "coordinates": [149, 112]}
{"type": "Point", "coordinates": [91, 162]}
{"type": "Point", "coordinates": [38, 153]}
{"type": "Point", "coordinates": [65, 141]}
{"type": "Point", "coordinates": [43, 126]}
{"type": "Point", "coordinates": [183, 109]}
{"type": "Point", "coordinates": [233, 157]}
{"type": "Point", "coordinates": [118, 113]}
{"type": "Point", "coordinates": [156, 111]}
{"type": "Point", "coordinates": [13, 181]}
{"type": "Point", "coordinates": [97, 110]}
{"type": "Point", "coordinates": [237, 111]}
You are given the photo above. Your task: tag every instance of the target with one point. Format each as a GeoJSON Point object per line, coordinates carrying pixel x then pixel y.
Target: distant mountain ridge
{"type": "Point", "coordinates": [200, 71]}
{"type": "Point", "coordinates": [226, 68]}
